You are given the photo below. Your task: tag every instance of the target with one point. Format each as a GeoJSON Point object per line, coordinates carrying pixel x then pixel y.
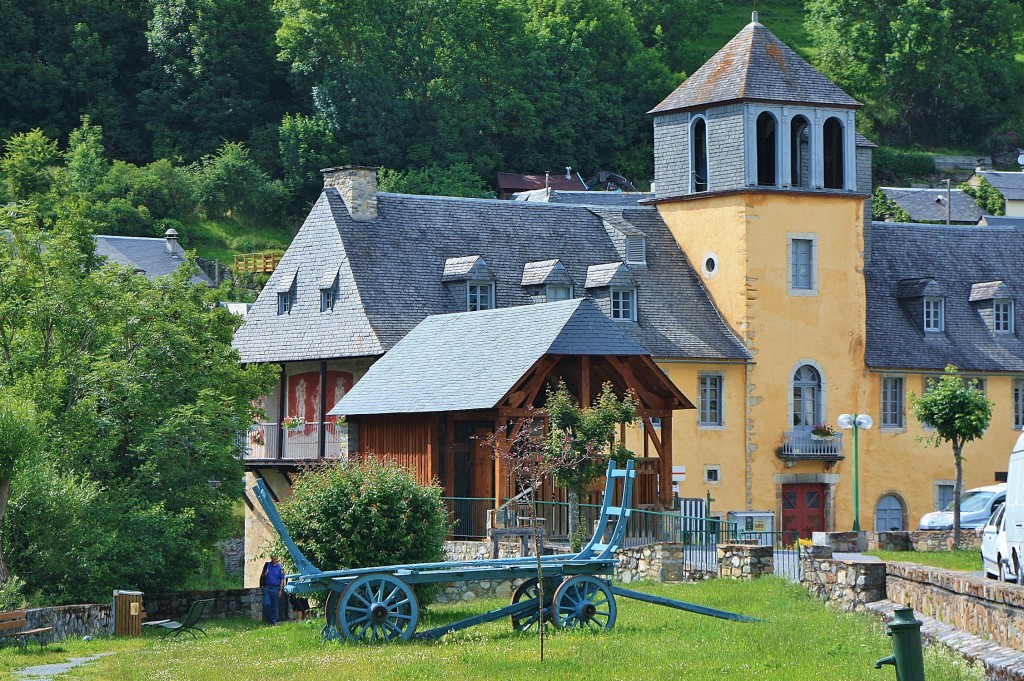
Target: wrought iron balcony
{"type": "Point", "coordinates": [800, 445]}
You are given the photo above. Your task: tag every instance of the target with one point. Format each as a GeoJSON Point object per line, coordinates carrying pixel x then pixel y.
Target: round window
{"type": "Point", "coordinates": [709, 265]}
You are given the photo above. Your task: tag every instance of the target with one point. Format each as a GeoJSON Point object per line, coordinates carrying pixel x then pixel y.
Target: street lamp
{"type": "Point", "coordinates": [857, 422]}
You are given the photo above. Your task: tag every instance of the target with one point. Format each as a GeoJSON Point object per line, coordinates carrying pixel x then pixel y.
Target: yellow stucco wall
{"type": "Point", "coordinates": [747, 234]}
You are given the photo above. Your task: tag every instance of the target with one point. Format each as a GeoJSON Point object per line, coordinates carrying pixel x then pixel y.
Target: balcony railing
{"type": "Point", "coordinates": [799, 445]}
{"type": "Point", "coordinates": [263, 441]}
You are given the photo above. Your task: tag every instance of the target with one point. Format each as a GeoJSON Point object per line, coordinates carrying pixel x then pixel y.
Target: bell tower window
{"type": "Point", "coordinates": [699, 156]}
{"type": "Point", "coordinates": [833, 148]}
{"type": "Point", "coordinates": [800, 152]}
{"type": "Point", "coordinates": [766, 151]}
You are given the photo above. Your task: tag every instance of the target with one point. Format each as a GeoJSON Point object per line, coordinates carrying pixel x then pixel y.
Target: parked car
{"type": "Point", "coordinates": [976, 506]}
{"type": "Point", "coordinates": [1014, 517]}
{"type": "Point", "coordinates": [995, 558]}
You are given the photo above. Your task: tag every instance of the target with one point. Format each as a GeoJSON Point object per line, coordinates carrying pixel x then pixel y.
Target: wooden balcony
{"type": "Point", "coordinates": [264, 442]}
{"type": "Point", "coordinates": [799, 445]}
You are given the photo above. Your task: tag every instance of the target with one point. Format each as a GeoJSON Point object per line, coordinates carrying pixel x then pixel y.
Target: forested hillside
{"type": "Point", "coordinates": [478, 85]}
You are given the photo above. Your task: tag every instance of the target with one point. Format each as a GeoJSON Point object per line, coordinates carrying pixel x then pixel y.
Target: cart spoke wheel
{"type": "Point", "coordinates": [330, 631]}
{"type": "Point", "coordinates": [527, 621]}
{"type": "Point", "coordinates": [584, 602]}
{"type": "Point", "coordinates": [377, 608]}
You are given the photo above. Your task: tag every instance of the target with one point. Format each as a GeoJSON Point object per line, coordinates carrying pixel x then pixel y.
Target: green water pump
{"type": "Point", "coordinates": [906, 644]}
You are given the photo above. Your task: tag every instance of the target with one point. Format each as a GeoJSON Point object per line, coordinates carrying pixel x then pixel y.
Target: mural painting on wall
{"type": "Point", "coordinates": [304, 394]}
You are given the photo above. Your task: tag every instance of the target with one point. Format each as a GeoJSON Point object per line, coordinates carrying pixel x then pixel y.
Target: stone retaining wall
{"type": "Point", "coordinates": [942, 540]}
{"type": "Point", "coordinates": [848, 585]}
{"type": "Point", "coordinates": [228, 603]}
{"type": "Point", "coordinates": [745, 561]}
{"type": "Point", "coordinates": [984, 607]}
{"type": "Point", "coordinates": [657, 562]}
{"type": "Point", "coordinates": [70, 621]}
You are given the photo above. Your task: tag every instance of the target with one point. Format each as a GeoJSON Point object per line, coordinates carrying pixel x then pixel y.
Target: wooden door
{"type": "Point", "coordinates": [803, 510]}
{"type": "Point", "coordinates": [481, 461]}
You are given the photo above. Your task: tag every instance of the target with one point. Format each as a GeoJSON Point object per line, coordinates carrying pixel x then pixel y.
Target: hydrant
{"type": "Point", "coordinates": [906, 644]}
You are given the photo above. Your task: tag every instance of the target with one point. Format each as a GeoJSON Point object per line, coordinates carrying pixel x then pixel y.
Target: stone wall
{"type": "Point", "coordinates": [229, 603]}
{"type": "Point", "coordinates": [889, 541]}
{"type": "Point", "coordinates": [657, 562]}
{"type": "Point", "coordinates": [987, 608]}
{"type": "Point", "coordinates": [745, 561]}
{"type": "Point", "coordinates": [70, 621]}
{"type": "Point", "coordinates": [232, 552]}
{"type": "Point", "coordinates": [843, 583]}
{"type": "Point", "coordinates": [942, 540]}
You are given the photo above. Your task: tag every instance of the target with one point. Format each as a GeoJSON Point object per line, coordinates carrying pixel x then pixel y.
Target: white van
{"type": "Point", "coordinates": [1014, 520]}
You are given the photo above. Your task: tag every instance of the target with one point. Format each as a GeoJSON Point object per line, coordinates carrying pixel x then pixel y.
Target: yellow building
{"type": "Point", "coordinates": [764, 184]}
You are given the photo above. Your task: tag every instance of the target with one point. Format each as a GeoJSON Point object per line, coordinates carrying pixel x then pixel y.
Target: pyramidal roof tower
{"type": "Point", "coordinates": [756, 116]}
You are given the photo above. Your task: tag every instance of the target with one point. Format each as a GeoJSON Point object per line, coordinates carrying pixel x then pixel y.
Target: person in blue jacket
{"type": "Point", "coordinates": [272, 580]}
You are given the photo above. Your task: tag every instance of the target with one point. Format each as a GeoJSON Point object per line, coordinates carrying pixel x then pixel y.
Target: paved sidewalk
{"type": "Point", "coordinates": [1000, 663]}
{"type": "Point", "coordinates": [48, 672]}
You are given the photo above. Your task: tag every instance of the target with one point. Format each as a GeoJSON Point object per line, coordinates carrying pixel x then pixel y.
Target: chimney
{"type": "Point", "coordinates": [171, 237]}
{"type": "Point", "coordinates": [358, 188]}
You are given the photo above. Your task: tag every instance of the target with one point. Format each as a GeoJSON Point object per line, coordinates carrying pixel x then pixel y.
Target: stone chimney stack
{"type": "Point", "coordinates": [171, 236]}
{"type": "Point", "coordinates": [358, 188]}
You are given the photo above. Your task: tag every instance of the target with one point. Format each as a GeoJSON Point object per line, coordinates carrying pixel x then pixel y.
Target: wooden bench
{"type": "Point", "coordinates": [11, 625]}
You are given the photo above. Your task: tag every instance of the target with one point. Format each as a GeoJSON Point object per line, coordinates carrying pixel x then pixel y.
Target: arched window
{"type": "Point", "coordinates": [833, 148]}
{"type": "Point", "coordinates": [800, 152]}
{"type": "Point", "coordinates": [806, 398]}
{"type": "Point", "coordinates": [889, 514]}
{"type": "Point", "coordinates": [699, 156]}
{"type": "Point", "coordinates": [766, 150]}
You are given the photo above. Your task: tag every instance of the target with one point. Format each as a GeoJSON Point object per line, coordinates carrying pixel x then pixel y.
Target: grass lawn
{"type": "Point", "coordinates": [967, 561]}
{"type": "Point", "coordinates": [798, 639]}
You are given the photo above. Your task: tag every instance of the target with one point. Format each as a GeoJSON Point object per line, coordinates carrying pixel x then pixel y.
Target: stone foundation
{"type": "Point", "coordinates": [745, 561]}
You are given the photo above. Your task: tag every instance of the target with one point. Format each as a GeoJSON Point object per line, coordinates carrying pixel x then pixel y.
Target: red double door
{"type": "Point", "coordinates": [803, 510]}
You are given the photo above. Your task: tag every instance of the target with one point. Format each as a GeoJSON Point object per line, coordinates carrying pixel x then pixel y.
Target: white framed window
{"type": "Point", "coordinates": [286, 300]}
{"type": "Point", "coordinates": [636, 250]}
{"type": "Point", "coordinates": [710, 401]}
{"type": "Point", "coordinates": [1018, 404]}
{"type": "Point", "coordinates": [803, 264]}
{"type": "Point", "coordinates": [1002, 315]}
{"type": "Point", "coordinates": [326, 299]}
{"type": "Point", "coordinates": [893, 392]}
{"type": "Point", "coordinates": [556, 292]}
{"type": "Point", "coordinates": [624, 304]}
{"type": "Point", "coordinates": [934, 313]}
{"type": "Point", "coordinates": [479, 295]}
{"type": "Point", "coordinates": [712, 474]}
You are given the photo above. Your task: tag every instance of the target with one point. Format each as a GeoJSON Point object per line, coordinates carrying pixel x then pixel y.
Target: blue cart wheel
{"type": "Point", "coordinates": [527, 621]}
{"type": "Point", "coordinates": [378, 607]}
{"type": "Point", "coordinates": [330, 631]}
{"type": "Point", "coordinates": [584, 602]}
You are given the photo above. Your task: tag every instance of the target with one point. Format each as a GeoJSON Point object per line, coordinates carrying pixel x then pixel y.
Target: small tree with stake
{"type": "Point", "coordinates": [959, 413]}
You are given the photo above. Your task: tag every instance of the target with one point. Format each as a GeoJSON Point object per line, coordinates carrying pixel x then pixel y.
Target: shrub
{"type": "Point", "coordinates": [362, 514]}
{"type": "Point", "coordinates": [894, 166]}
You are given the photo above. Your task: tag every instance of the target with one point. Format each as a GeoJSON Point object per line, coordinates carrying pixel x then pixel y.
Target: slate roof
{"type": "Point", "coordinates": [929, 205]}
{"type": "Point", "coordinates": [471, 360]}
{"type": "Point", "coordinates": [1009, 184]}
{"type": "Point", "coordinates": [1003, 220]}
{"type": "Point", "coordinates": [591, 198]}
{"type": "Point", "coordinates": [956, 258]}
{"type": "Point", "coordinates": [390, 271]}
{"type": "Point", "coordinates": [148, 256]}
{"type": "Point", "coordinates": [755, 65]}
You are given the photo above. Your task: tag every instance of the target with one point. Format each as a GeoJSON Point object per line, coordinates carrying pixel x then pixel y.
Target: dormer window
{"type": "Point", "coordinates": [555, 292]}
{"type": "Point", "coordinates": [934, 313]}
{"type": "Point", "coordinates": [624, 304]}
{"type": "Point", "coordinates": [329, 290]}
{"type": "Point", "coordinates": [479, 295]}
{"type": "Point", "coordinates": [636, 250]}
{"type": "Point", "coordinates": [1002, 315]}
{"type": "Point", "coordinates": [286, 293]}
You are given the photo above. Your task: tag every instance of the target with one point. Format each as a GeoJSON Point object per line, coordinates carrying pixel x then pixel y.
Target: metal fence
{"type": "Point", "coordinates": [468, 516]}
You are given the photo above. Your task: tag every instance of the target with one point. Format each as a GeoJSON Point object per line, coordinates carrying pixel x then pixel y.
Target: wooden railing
{"type": "Point", "coordinates": [257, 262]}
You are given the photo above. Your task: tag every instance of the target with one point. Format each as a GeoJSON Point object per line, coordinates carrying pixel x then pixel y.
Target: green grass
{"type": "Point", "coordinates": [798, 639]}
{"type": "Point", "coordinates": [967, 561]}
{"type": "Point", "coordinates": [223, 239]}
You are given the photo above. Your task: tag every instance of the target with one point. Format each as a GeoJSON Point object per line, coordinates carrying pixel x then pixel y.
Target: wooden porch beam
{"type": "Point", "coordinates": [585, 381]}
{"type": "Point", "coordinates": [666, 459]}
{"type": "Point", "coordinates": [632, 382]}
{"type": "Point", "coordinates": [653, 434]}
